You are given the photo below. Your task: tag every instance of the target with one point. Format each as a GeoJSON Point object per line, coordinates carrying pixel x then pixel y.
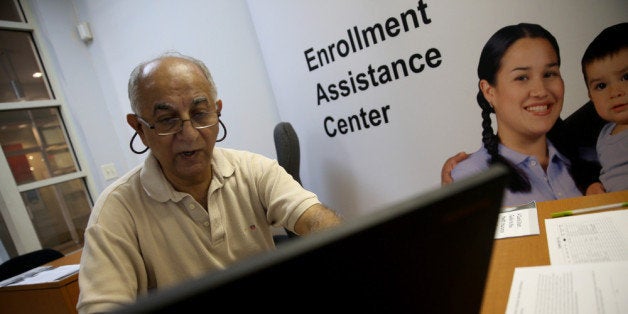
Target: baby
{"type": "Point", "coordinates": [605, 69]}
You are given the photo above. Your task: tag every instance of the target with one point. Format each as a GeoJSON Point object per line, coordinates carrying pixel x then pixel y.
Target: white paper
{"type": "Point", "coordinates": [516, 223]}
{"type": "Point", "coordinates": [588, 238]}
{"type": "Point", "coordinates": [583, 288]}
{"type": "Point", "coordinates": [48, 275]}
{"type": "Point", "coordinates": [23, 275]}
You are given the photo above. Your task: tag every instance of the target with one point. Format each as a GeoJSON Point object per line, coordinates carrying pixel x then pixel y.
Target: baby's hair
{"type": "Point", "coordinates": [609, 42]}
{"type": "Point", "coordinates": [489, 65]}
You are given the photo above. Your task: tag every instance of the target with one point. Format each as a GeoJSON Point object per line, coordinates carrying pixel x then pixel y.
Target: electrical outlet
{"type": "Point", "coordinates": [109, 171]}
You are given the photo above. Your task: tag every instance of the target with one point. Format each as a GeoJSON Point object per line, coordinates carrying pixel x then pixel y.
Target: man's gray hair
{"type": "Point", "coordinates": [136, 77]}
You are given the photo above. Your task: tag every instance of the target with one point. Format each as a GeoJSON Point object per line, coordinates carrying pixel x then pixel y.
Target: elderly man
{"type": "Point", "coordinates": [191, 208]}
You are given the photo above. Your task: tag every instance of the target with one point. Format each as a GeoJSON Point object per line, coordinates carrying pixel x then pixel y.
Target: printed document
{"type": "Point", "coordinates": [583, 288]}
{"type": "Point", "coordinates": [589, 238]}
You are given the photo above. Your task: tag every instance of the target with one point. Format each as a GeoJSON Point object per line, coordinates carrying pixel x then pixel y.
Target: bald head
{"type": "Point", "coordinates": [174, 64]}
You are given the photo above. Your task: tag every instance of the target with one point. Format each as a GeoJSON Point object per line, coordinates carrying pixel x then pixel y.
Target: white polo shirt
{"type": "Point", "coordinates": [143, 234]}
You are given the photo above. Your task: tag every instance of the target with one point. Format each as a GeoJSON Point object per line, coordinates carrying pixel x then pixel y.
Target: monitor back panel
{"type": "Point", "coordinates": [429, 254]}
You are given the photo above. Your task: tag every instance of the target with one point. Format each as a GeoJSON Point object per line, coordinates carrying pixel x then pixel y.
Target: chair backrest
{"type": "Point", "coordinates": [288, 156]}
{"type": "Point", "coordinates": [28, 261]}
{"type": "Point", "coordinates": [288, 150]}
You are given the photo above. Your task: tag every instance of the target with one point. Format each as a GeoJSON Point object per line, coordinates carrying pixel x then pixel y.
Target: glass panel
{"type": "Point", "coordinates": [35, 144]}
{"type": "Point", "coordinates": [59, 213]}
{"type": "Point", "coordinates": [10, 11]}
{"type": "Point", "coordinates": [21, 76]}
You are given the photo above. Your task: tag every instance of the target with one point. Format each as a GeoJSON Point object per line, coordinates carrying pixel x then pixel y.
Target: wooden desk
{"type": "Point", "coordinates": [50, 298]}
{"type": "Point", "coordinates": [525, 251]}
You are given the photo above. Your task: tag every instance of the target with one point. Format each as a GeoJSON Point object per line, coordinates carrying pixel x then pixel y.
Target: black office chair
{"type": "Point", "coordinates": [288, 149]}
{"type": "Point", "coordinates": [289, 157]}
{"type": "Point", "coordinates": [28, 261]}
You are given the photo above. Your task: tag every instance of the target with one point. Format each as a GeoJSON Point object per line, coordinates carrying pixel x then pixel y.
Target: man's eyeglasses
{"type": "Point", "coordinates": [200, 120]}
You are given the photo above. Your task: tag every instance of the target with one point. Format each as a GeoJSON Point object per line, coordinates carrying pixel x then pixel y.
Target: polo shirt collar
{"type": "Point", "coordinates": [222, 166]}
{"type": "Point", "coordinates": [157, 186]}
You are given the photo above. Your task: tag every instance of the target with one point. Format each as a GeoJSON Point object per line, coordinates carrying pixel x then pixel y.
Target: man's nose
{"type": "Point", "coordinates": [187, 129]}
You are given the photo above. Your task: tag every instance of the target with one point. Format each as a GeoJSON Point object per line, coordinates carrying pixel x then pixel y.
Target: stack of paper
{"type": "Point", "coordinates": [40, 275]}
{"type": "Point", "coordinates": [588, 272]}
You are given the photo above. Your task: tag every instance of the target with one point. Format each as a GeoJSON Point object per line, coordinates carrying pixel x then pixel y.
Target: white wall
{"type": "Point", "coordinates": [94, 76]}
{"type": "Point", "coordinates": [433, 114]}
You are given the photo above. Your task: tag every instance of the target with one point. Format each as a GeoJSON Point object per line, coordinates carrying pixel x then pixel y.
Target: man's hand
{"type": "Point", "coordinates": [450, 163]}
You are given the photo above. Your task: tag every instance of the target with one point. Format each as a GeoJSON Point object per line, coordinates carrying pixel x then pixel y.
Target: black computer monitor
{"type": "Point", "coordinates": [429, 254]}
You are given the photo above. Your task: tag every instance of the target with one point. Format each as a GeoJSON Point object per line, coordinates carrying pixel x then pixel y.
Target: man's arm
{"type": "Point", "coordinates": [316, 218]}
{"type": "Point", "coordinates": [448, 166]}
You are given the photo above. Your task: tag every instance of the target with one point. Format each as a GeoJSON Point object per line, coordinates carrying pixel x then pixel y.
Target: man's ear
{"type": "Point", "coordinates": [219, 106]}
{"type": "Point", "coordinates": [131, 119]}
